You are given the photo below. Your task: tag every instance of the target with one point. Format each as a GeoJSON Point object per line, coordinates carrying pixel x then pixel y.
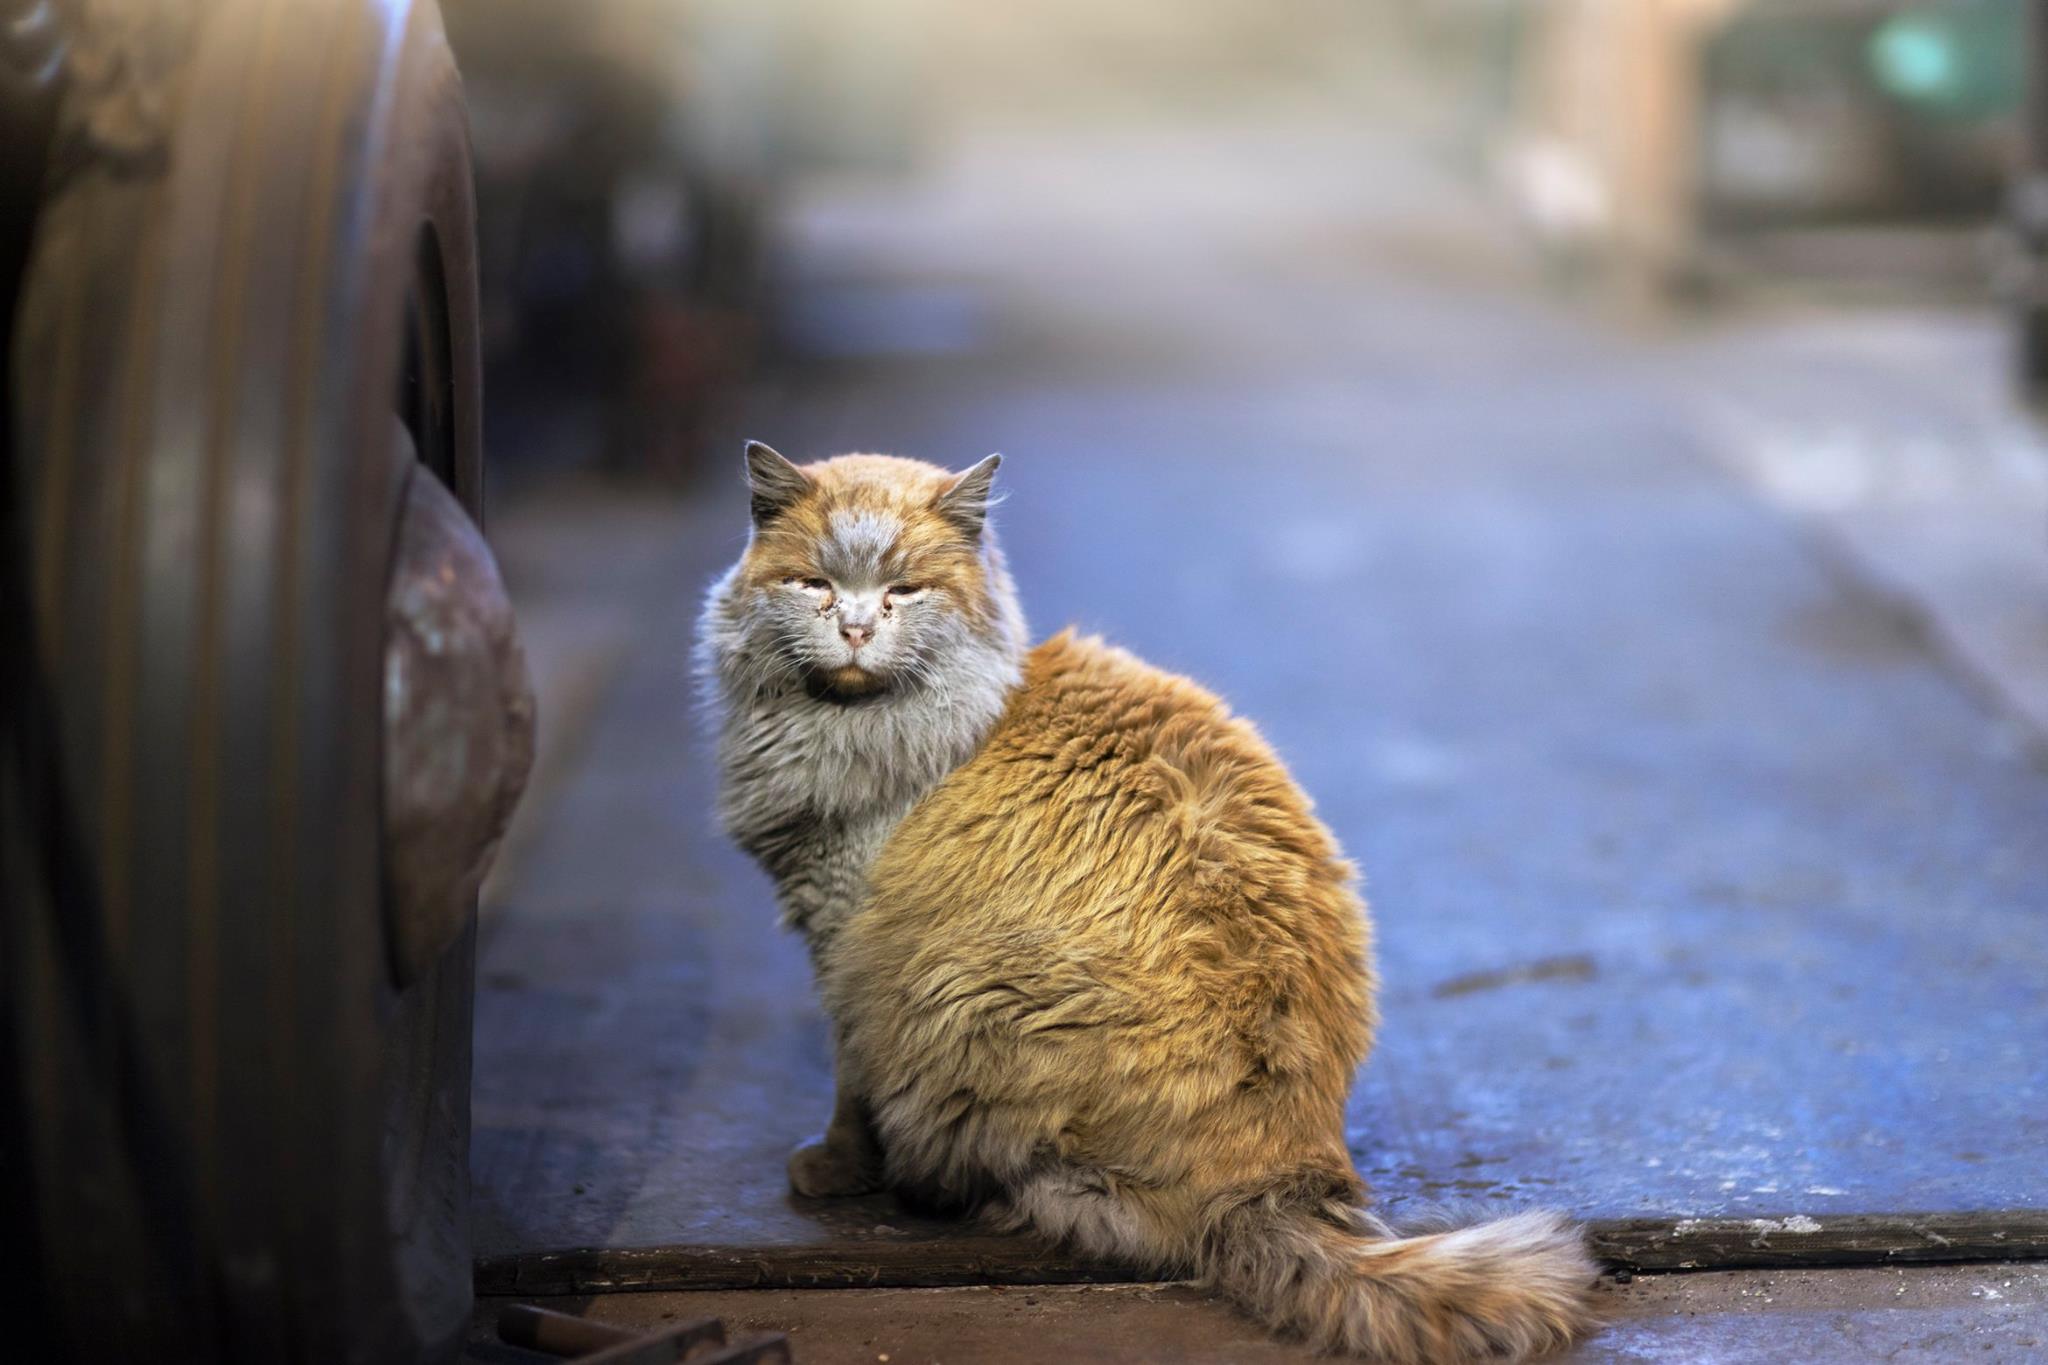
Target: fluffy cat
{"type": "Point", "coordinates": [1094, 967]}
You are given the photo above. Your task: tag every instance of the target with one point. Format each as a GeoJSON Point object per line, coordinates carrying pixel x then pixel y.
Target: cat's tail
{"type": "Point", "coordinates": [1325, 1272]}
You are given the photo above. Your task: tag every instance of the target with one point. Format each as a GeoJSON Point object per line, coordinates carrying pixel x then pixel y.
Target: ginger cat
{"type": "Point", "coordinates": [1093, 965]}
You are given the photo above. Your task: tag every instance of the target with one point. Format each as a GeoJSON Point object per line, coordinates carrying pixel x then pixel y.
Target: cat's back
{"type": "Point", "coordinates": [1120, 836]}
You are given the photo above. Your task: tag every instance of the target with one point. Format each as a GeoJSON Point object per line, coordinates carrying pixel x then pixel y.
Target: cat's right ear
{"type": "Point", "coordinates": [774, 484]}
{"type": "Point", "coordinates": [966, 500]}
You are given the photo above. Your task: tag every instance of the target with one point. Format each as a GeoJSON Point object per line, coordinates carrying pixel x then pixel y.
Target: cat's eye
{"type": "Point", "coordinates": [906, 589]}
{"type": "Point", "coordinates": [816, 584]}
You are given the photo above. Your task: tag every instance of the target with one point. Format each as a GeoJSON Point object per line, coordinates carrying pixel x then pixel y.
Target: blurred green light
{"type": "Point", "coordinates": [1913, 58]}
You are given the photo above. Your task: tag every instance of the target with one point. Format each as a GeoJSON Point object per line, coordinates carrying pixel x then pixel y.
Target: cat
{"type": "Point", "coordinates": [1093, 966]}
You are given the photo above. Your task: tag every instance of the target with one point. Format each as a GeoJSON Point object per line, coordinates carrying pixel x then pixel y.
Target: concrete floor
{"type": "Point", "coordinates": [1980, 1313]}
{"type": "Point", "coordinates": [1708, 876]}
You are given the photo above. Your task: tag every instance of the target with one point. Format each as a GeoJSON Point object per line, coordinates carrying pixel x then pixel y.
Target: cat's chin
{"type": "Point", "coordinates": [847, 684]}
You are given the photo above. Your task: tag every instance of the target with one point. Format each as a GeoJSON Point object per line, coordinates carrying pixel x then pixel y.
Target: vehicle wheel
{"type": "Point", "coordinates": [245, 1097]}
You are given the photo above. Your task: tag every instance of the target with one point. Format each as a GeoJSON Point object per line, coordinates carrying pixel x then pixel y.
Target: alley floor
{"type": "Point", "coordinates": [1708, 867]}
{"type": "Point", "coordinates": [1977, 1313]}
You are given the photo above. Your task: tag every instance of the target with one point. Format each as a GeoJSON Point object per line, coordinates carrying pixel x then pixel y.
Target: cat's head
{"type": "Point", "coordinates": [869, 573]}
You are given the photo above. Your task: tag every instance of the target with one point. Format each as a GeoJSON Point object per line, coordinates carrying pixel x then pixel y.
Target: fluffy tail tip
{"type": "Point", "coordinates": [1503, 1290]}
{"type": "Point", "coordinates": [1515, 1287]}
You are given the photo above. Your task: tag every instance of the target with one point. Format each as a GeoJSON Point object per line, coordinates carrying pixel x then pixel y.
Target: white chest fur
{"type": "Point", "coordinates": [812, 787]}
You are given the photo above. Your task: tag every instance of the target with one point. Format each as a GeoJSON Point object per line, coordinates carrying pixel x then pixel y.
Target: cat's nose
{"type": "Point", "coordinates": [856, 635]}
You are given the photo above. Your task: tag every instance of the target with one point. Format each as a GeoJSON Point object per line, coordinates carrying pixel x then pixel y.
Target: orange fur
{"type": "Point", "coordinates": [1108, 978]}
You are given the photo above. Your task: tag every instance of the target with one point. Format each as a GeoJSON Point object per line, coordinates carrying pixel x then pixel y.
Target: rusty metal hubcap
{"type": "Point", "coordinates": [458, 721]}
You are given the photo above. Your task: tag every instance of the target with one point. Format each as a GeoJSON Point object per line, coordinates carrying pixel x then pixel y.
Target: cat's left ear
{"type": "Point", "coordinates": [966, 500]}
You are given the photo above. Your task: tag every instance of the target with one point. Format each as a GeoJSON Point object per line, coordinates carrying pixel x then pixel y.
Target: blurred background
{"type": "Point", "coordinates": [1807, 225]}
{"type": "Point", "coordinates": [655, 173]}
{"type": "Point", "coordinates": [1592, 438]}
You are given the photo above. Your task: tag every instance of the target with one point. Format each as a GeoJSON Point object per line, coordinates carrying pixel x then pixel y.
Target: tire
{"type": "Point", "coordinates": [241, 1139]}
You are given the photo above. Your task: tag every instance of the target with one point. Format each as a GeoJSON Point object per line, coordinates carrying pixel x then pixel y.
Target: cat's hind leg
{"type": "Point", "coordinates": [1101, 1214]}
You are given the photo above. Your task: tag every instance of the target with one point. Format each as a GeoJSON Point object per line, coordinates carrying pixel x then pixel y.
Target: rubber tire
{"type": "Point", "coordinates": [243, 1142]}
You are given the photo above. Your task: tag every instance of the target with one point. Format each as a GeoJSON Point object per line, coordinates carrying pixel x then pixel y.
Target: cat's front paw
{"type": "Point", "coordinates": [819, 1170]}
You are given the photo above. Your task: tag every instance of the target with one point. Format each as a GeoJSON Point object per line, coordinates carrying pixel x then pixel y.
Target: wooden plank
{"type": "Point", "coordinates": [957, 1261]}
{"type": "Point", "coordinates": [1645, 1244]}
{"type": "Point", "coordinates": [1797, 1240]}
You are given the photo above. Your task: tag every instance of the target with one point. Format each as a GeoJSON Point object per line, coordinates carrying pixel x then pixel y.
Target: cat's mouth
{"type": "Point", "coordinates": [846, 683]}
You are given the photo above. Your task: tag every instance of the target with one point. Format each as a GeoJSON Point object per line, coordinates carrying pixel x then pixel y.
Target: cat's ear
{"type": "Point", "coordinates": [774, 483]}
{"type": "Point", "coordinates": [966, 500]}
